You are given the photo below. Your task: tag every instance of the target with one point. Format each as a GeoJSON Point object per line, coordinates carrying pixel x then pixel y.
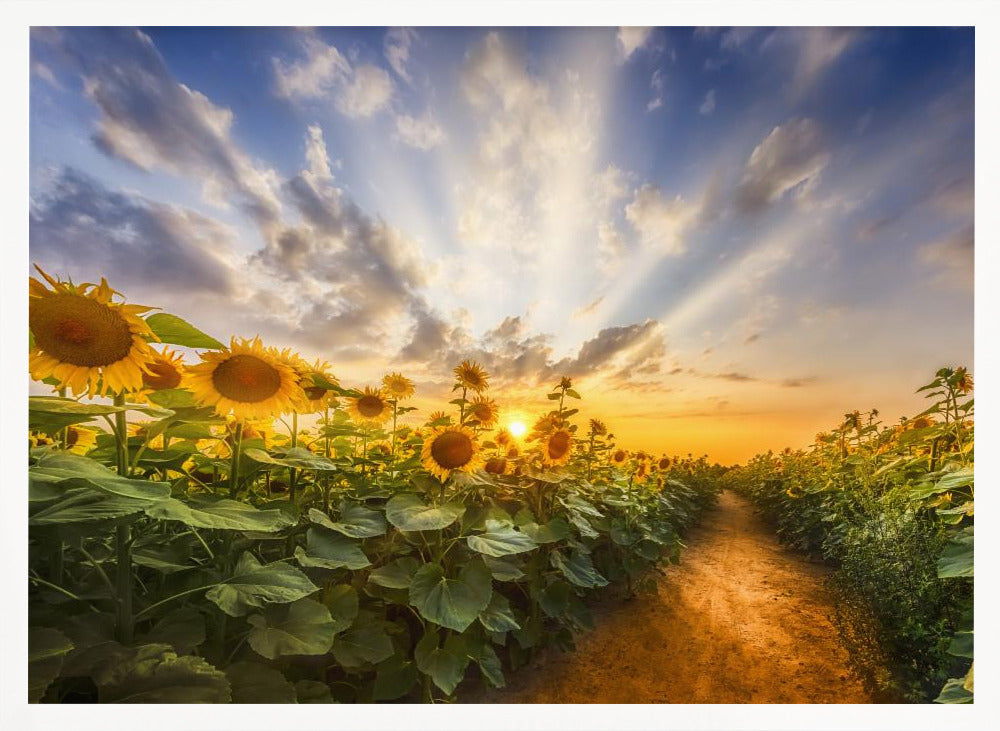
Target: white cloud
{"type": "Point", "coordinates": [422, 133]}
{"type": "Point", "coordinates": [316, 154]}
{"type": "Point", "coordinates": [657, 84]}
{"type": "Point", "coordinates": [708, 105]}
{"type": "Point", "coordinates": [815, 50]}
{"type": "Point", "coordinates": [792, 154]}
{"type": "Point", "coordinates": [397, 50]}
{"type": "Point", "coordinates": [661, 222]}
{"type": "Point", "coordinates": [369, 91]}
{"type": "Point", "coordinates": [631, 39]}
{"type": "Point", "coordinates": [952, 258]}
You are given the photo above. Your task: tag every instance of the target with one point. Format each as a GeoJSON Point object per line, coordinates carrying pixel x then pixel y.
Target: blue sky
{"type": "Point", "coordinates": [729, 237]}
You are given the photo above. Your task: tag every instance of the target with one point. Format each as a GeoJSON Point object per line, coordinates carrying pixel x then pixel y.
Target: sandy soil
{"type": "Point", "coordinates": [740, 620]}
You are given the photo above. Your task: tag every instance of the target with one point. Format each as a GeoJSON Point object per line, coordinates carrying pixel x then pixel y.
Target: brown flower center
{"type": "Point", "coordinates": [246, 378]}
{"type": "Point", "coordinates": [314, 393]}
{"type": "Point", "coordinates": [496, 465]}
{"type": "Point", "coordinates": [164, 375]}
{"type": "Point", "coordinates": [79, 330]}
{"type": "Point", "coordinates": [370, 406]}
{"type": "Point", "coordinates": [558, 445]}
{"type": "Point", "coordinates": [452, 450]}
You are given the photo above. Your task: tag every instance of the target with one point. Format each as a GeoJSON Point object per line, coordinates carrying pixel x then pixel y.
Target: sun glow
{"type": "Point", "coordinates": [517, 429]}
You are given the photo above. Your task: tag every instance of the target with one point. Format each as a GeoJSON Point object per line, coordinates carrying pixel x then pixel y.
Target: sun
{"type": "Point", "coordinates": [517, 429]}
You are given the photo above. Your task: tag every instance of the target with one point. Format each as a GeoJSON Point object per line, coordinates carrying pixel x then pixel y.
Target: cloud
{"type": "Point", "coordinates": [815, 50]}
{"type": "Point", "coordinates": [316, 154]}
{"type": "Point", "coordinates": [153, 122]}
{"type": "Point", "coordinates": [396, 46]}
{"type": "Point", "coordinates": [657, 84]}
{"type": "Point", "coordinates": [423, 133]}
{"type": "Point", "coordinates": [357, 91]}
{"type": "Point", "coordinates": [80, 228]}
{"type": "Point", "coordinates": [708, 105]}
{"type": "Point", "coordinates": [952, 258]}
{"type": "Point", "coordinates": [631, 39]}
{"type": "Point", "coordinates": [792, 154]}
{"type": "Point", "coordinates": [661, 221]}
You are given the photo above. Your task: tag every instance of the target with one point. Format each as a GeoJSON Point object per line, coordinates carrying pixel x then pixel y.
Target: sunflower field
{"type": "Point", "coordinates": [892, 506]}
{"type": "Point", "coordinates": [191, 541]}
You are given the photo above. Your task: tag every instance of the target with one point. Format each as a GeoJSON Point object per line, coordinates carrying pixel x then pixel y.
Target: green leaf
{"type": "Point", "coordinates": [328, 550]}
{"type": "Point", "coordinates": [47, 648]}
{"type": "Point", "coordinates": [500, 539]}
{"type": "Point", "coordinates": [957, 557]}
{"type": "Point", "coordinates": [364, 643]}
{"type": "Point", "coordinates": [498, 617]}
{"type": "Point", "coordinates": [297, 457]}
{"type": "Point", "coordinates": [445, 665]}
{"type": "Point", "coordinates": [554, 598]}
{"type": "Point", "coordinates": [393, 679]}
{"type": "Point", "coordinates": [962, 645]}
{"type": "Point", "coordinates": [312, 691]}
{"type": "Point", "coordinates": [342, 601]}
{"type": "Point", "coordinates": [73, 470]}
{"type": "Point", "coordinates": [183, 629]}
{"type": "Point", "coordinates": [502, 569]}
{"type": "Point", "coordinates": [83, 504]}
{"type": "Point", "coordinates": [220, 513]}
{"type": "Point", "coordinates": [954, 692]}
{"type": "Point", "coordinates": [175, 331]}
{"type": "Point", "coordinates": [555, 530]}
{"type": "Point", "coordinates": [304, 627]}
{"type": "Point", "coordinates": [155, 674]}
{"type": "Point", "coordinates": [490, 666]}
{"type": "Point", "coordinates": [451, 603]}
{"type": "Point", "coordinates": [578, 569]}
{"type": "Point", "coordinates": [173, 398]}
{"type": "Point", "coordinates": [571, 392]}
{"type": "Point", "coordinates": [397, 574]}
{"type": "Point", "coordinates": [256, 585]}
{"type": "Point", "coordinates": [253, 682]}
{"type": "Point", "coordinates": [356, 521]}
{"type": "Point", "coordinates": [408, 512]}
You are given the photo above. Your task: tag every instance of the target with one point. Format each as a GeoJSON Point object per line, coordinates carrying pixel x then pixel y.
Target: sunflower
{"type": "Point", "coordinates": [311, 379]}
{"type": "Point", "coordinates": [80, 439]}
{"type": "Point", "coordinates": [372, 406]}
{"type": "Point", "coordinates": [642, 469]}
{"type": "Point", "coordinates": [438, 418]}
{"type": "Point", "coordinates": [247, 380]}
{"type": "Point", "coordinates": [598, 428]}
{"type": "Point", "coordinates": [922, 422]}
{"type": "Point", "coordinates": [496, 466]}
{"type": "Point", "coordinates": [380, 450]}
{"type": "Point", "coordinates": [397, 386]}
{"type": "Point", "coordinates": [664, 463]}
{"type": "Point", "coordinates": [503, 437]}
{"type": "Point", "coordinates": [84, 340]}
{"type": "Point", "coordinates": [557, 448]}
{"type": "Point", "coordinates": [470, 375]}
{"type": "Point", "coordinates": [962, 381]}
{"type": "Point", "coordinates": [513, 452]}
{"type": "Point", "coordinates": [484, 410]}
{"type": "Point", "coordinates": [448, 449]}
{"type": "Point", "coordinates": [164, 371]}
{"type": "Point", "coordinates": [619, 457]}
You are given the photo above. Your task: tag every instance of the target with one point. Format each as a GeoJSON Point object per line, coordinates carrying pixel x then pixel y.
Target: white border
{"type": "Point", "coordinates": [15, 18]}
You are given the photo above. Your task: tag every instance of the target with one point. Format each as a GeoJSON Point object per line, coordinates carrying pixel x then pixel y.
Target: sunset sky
{"type": "Point", "coordinates": [727, 237]}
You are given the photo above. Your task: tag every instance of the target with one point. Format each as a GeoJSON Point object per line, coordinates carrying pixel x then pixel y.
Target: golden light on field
{"type": "Point", "coordinates": [517, 429]}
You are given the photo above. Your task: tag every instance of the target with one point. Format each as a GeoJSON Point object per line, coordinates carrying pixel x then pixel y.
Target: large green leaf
{"type": "Point", "coordinates": [220, 513]}
{"type": "Point", "coordinates": [962, 645]}
{"type": "Point", "coordinates": [393, 679]}
{"type": "Point", "coordinates": [342, 601]}
{"type": "Point", "coordinates": [253, 682]}
{"type": "Point", "coordinates": [175, 331]}
{"type": "Point", "coordinates": [957, 557]}
{"type": "Point", "coordinates": [578, 569]}
{"type": "Point", "coordinates": [396, 574]}
{"type": "Point", "coordinates": [313, 691]}
{"type": "Point", "coordinates": [356, 521]}
{"type": "Point", "coordinates": [500, 539]}
{"type": "Point", "coordinates": [328, 550]}
{"type": "Point", "coordinates": [489, 664]}
{"type": "Point", "coordinates": [408, 512]}
{"type": "Point", "coordinates": [362, 643]}
{"type": "Point", "coordinates": [182, 628]}
{"type": "Point", "coordinates": [555, 530]}
{"type": "Point", "coordinates": [498, 617]}
{"type": "Point", "coordinates": [47, 648]}
{"type": "Point", "coordinates": [156, 674]}
{"type": "Point", "coordinates": [298, 457]}
{"type": "Point", "coordinates": [72, 470]}
{"type": "Point", "coordinates": [83, 504]}
{"type": "Point", "coordinates": [503, 569]}
{"type": "Point", "coordinates": [304, 627]}
{"type": "Point", "coordinates": [954, 691]}
{"type": "Point", "coordinates": [255, 585]}
{"type": "Point", "coordinates": [451, 603]}
{"type": "Point", "coordinates": [445, 665]}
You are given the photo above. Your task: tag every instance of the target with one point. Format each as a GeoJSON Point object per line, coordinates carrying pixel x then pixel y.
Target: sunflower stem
{"type": "Point", "coordinates": [293, 474]}
{"type": "Point", "coordinates": [64, 434]}
{"type": "Point", "coordinates": [121, 436]}
{"type": "Point", "coordinates": [124, 581]}
{"type": "Point", "coordinates": [234, 464]}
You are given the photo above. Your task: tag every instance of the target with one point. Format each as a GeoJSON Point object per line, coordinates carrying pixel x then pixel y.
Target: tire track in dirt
{"type": "Point", "coordinates": [740, 620]}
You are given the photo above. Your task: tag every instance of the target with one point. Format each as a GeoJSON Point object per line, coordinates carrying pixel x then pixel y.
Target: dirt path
{"type": "Point", "coordinates": [740, 620]}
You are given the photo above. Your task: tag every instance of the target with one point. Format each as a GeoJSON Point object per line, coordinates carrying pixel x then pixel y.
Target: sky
{"type": "Point", "coordinates": [728, 237]}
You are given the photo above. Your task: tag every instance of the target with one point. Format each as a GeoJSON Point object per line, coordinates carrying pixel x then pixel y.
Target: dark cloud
{"type": "Point", "coordinates": [752, 339]}
{"type": "Point", "coordinates": [79, 227]}
{"type": "Point", "coordinates": [798, 382]}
